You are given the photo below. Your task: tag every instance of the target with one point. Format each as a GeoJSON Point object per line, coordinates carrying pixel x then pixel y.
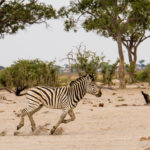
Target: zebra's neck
{"type": "Point", "coordinates": [77, 92]}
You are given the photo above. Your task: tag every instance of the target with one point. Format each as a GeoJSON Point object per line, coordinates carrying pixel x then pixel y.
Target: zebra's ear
{"type": "Point", "coordinates": [92, 77]}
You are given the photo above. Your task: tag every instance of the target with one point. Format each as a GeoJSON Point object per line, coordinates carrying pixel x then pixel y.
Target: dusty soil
{"type": "Point", "coordinates": [123, 123]}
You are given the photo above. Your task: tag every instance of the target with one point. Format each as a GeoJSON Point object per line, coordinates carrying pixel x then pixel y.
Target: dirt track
{"type": "Point", "coordinates": [122, 124]}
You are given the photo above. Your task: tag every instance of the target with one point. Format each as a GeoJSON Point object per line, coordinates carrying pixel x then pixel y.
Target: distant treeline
{"type": "Point", "coordinates": [24, 74]}
{"type": "Point", "coordinates": [1, 67]}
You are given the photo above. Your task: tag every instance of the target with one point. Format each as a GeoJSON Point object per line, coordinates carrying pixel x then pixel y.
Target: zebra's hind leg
{"type": "Point", "coordinates": [21, 123]}
{"type": "Point", "coordinates": [28, 112]}
{"type": "Point", "coordinates": [63, 115]}
{"type": "Point", "coordinates": [33, 126]}
{"type": "Point", "coordinates": [72, 115]}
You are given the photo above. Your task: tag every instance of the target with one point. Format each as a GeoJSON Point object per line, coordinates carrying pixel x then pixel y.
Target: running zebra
{"type": "Point", "coordinates": [65, 98]}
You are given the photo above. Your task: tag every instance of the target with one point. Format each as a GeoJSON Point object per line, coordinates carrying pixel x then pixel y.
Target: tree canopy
{"type": "Point", "coordinates": [18, 14]}
{"type": "Point", "coordinates": [108, 18]}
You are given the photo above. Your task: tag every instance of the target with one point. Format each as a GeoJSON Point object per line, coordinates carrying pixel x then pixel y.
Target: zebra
{"type": "Point", "coordinates": [65, 98]}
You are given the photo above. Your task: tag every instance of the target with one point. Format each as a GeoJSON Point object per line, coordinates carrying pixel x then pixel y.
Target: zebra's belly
{"type": "Point", "coordinates": [53, 106]}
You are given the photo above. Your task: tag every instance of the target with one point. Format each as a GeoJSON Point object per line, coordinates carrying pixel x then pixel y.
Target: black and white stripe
{"type": "Point", "coordinates": [65, 98]}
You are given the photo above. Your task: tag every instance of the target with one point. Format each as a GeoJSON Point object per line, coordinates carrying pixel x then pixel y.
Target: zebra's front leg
{"type": "Point", "coordinates": [72, 115]}
{"type": "Point", "coordinates": [63, 115]}
{"type": "Point", "coordinates": [21, 123]}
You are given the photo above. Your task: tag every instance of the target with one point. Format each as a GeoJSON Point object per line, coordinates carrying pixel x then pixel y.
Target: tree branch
{"type": "Point", "coordinates": [2, 1]}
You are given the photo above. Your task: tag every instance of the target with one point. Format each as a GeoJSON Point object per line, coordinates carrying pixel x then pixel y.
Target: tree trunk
{"type": "Point", "coordinates": [121, 66]}
{"type": "Point", "coordinates": [132, 61]}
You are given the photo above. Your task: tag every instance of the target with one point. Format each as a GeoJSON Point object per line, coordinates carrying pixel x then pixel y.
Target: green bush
{"type": "Point", "coordinates": [144, 75]}
{"type": "Point", "coordinates": [27, 73]}
{"type": "Point", "coordinates": [108, 71]}
{"type": "Point", "coordinates": [86, 61]}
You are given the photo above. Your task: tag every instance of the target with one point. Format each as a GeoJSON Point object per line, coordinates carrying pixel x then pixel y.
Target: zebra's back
{"type": "Point", "coordinates": [48, 96]}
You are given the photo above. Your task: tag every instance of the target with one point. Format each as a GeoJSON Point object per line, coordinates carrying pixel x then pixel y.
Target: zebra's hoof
{"type": "Point", "coordinates": [33, 129]}
{"type": "Point", "coordinates": [19, 126]}
{"type": "Point", "coordinates": [52, 130]}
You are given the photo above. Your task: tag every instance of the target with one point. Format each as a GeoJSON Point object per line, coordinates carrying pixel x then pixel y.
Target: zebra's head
{"type": "Point", "coordinates": [91, 87]}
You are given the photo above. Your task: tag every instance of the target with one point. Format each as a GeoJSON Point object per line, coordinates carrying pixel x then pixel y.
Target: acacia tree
{"type": "Point", "coordinates": [136, 33]}
{"type": "Point", "coordinates": [132, 41]}
{"type": "Point", "coordinates": [18, 14]}
{"type": "Point", "coordinates": [108, 18]}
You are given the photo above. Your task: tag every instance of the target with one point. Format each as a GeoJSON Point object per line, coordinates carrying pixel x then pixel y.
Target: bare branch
{"type": "Point", "coordinates": [2, 1]}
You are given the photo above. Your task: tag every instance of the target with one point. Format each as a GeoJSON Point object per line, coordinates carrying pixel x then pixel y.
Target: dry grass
{"type": "Point", "coordinates": [65, 79]}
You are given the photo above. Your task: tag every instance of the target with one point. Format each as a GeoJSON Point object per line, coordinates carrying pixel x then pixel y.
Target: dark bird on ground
{"type": "Point", "coordinates": [146, 97]}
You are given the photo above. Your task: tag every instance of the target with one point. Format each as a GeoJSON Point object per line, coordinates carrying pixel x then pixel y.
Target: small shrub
{"type": "Point", "coordinates": [86, 61]}
{"type": "Point", "coordinates": [108, 71]}
{"type": "Point", "coordinates": [144, 75]}
{"type": "Point", "coordinates": [121, 100]}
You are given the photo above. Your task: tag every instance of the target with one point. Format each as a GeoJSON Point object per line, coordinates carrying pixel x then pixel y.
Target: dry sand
{"type": "Point", "coordinates": [122, 124]}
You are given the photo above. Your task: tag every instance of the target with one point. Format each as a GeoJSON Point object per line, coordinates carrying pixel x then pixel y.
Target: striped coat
{"type": "Point", "coordinates": [65, 98]}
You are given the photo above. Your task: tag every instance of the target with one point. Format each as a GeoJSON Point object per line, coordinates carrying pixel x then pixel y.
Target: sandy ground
{"type": "Point", "coordinates": [122, 124]}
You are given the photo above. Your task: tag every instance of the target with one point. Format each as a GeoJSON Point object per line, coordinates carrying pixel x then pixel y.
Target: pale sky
{"type": "Point", "coordinates": [51, 43]}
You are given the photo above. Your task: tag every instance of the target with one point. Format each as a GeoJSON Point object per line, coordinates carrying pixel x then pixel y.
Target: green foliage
{"type": "Point", "coordinates": [27, 73]}
{"type": "Point", "coordinates": [130, 68]}
{"type": "Point", "coordinates": [131, 71]}
{"type": "Point", "coordinates": [141, 62]}
{"type": "Point", "coordinates": [18, 14]}
{"type": "Point", "coordinates": [106, 17]}
{"type": "Point", "coordinates": [121, 100]}
{"type": "Point", "coordinates": [5, 78]}
{"type": "Point", "coordinates": [144, 75]}
{"type": "Point", "coordinates": [105, 68]}
{"type": "Point", "coordinates": [124, 21]}
{"type": "Point", "coordinates": [87, 61]}
{"type": "Point", "coordinates": [108, 71]}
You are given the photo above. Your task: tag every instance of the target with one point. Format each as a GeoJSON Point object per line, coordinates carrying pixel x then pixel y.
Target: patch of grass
{"type": "Point", "coordinates": [121, 100]}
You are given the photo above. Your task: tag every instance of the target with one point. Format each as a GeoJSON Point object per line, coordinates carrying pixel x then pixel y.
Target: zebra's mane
{"type": "Point", "coordinates": [75, 81]}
